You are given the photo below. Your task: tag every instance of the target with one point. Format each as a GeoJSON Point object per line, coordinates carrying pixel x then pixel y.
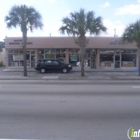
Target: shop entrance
{"type": "Point", "coordinates": [117, 61]}
{"type": "Point", "coordinates": [30, 58]}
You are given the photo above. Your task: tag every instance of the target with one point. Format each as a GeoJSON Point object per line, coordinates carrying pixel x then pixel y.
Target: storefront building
{"type": "Point", "coordinates": [101, 52]}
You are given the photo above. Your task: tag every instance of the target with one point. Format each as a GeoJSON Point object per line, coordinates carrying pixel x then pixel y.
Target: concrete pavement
{"type": "Point", "coordinates": [90, 74]}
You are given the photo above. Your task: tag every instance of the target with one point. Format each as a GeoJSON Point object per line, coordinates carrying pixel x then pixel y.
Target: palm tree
{"type": "Point", "coordinates": [2, 45]}
{"type": "Point", "coordinates": [80, 23]}
{"type": "Point", "coordinates": [27, 18]}
{"type": "Point", "coordinates": [131, 35]}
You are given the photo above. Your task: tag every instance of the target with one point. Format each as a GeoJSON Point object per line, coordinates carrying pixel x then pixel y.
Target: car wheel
{"type": "Point", "coordinates": [42, 70]}
{"type": "Point", "coordinates": [64, 70]}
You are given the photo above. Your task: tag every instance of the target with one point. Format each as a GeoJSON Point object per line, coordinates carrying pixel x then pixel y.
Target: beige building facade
{"type": "Point", "coordinates": [101, 52]}
{"type": "Point", "coordinates": [2, 57]}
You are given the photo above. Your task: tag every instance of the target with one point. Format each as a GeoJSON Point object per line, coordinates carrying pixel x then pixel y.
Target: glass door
{"type": "Point", "coordinates": [32, 64]}
{"type": "Point", "coordinates": [117, 61]}
{"type": "Point", "coordinates": [30, 58]}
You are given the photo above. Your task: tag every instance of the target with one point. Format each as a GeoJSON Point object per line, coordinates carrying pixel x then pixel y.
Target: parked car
{"type": "Point", "coordinates": [52, 65]}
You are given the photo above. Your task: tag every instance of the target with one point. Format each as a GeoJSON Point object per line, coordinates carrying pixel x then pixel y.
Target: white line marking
{"type": "Point", "coordinates": [136, 87]}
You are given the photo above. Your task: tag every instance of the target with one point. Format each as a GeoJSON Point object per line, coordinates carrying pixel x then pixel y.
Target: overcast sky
{"type": "Point", "coordinates": [116, 14]}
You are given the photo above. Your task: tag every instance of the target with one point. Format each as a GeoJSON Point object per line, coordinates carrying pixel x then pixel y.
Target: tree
{"type": "Point", "coordinates": [80, 23]}
{"type": "Point", "coordinates": [27, 18]}
{"type": "Point", "coordinates": [2, 45]}
{"type": "Point", "coordinates": [132, 35]}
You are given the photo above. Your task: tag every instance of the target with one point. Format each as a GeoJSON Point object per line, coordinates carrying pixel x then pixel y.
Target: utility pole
{"type": "Point", "coordinates": [115, 35]}
{"type": "Point", "coordinates": [114, 32]}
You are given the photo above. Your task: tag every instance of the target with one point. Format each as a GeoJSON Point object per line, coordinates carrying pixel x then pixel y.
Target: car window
{"type": "Point", "coordinates": [62, 60]}
{"type": "Point", "coordinates": [38, 62]}
{"type": "Point", "coordinates": [42, 61]}
{"type": "Point", "coordinates": [55, 63]}
{"type": "Point", "coordinates": [48, 62]}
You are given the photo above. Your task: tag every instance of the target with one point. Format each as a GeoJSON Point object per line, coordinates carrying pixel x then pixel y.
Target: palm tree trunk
{"type": "Point", "coordinates": [82, 44]}
{"type": "Point", "coordinates": [82, 60]}
{"type": "Point", "coordinates": [139, 65]}
{"type": "Point", "coordinates": [24, 52]}
{"type": "Point", "coordinates": [139, 59]}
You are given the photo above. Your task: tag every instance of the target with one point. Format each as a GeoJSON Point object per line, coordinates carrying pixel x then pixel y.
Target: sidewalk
{"type": "Point", "coordinates": [87, 69]}
{"type": "Point", "coordinates": [90, 74]}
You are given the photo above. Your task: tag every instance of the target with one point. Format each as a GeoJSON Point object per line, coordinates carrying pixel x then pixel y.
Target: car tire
{"type": "Point", "coordinates": [64, 70]}
{"type": "Point", "coordinates": [42, 70]}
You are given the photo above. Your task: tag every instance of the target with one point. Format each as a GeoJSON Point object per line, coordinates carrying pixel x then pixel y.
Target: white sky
{"type": "Point", "coordinates": [116, 14]}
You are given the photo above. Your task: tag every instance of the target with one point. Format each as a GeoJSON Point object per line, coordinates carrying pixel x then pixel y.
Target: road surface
{"type": "Point", "coordinates": [70, 111]}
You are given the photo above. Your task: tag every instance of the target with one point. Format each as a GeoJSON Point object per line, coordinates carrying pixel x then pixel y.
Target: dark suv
{"type": "Point", "coordinates": [52, 65]}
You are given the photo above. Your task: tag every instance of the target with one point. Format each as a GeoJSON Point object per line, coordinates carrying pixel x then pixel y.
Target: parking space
{"type": "Point", "coordinates": [75, 74]}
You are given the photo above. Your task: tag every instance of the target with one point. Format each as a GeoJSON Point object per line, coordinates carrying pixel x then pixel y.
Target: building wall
{"type": "Point", "coordinates": [68, 42]}
{"type": "Point", "coordinates": [2, 57]}
{"type": "Point", "coordinates": [37, 44]}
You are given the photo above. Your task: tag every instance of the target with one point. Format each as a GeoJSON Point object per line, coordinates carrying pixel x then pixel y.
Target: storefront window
{"type": "Point", "coordinates": [107, 58]}
{"type": "Point", "coordinates": [41, 51]}
{"type": "Point", "coordinates": [10, 51]}
{"type": "Point", "coordinates": [57, 50]}
{"type": "Point", "coordinates": [32, 52]}
{"type": "Point", "coordinates": [10, 59]}
{"type": "Point", "coordinates": [15, 58]}
{"type": "Point", "coordinates": [71, 51]}
{"type": "Point", "coordinates": [50, 55]}
{"type": "Point", "coordinates": [74, 56]}
{"type": "Point", "coordinates": [28, 52]}
{"type": "Point", "coordinates": [128, 60]}
{"type": "Point", "coordinates": [28, 59]}
{"type": "Point", "coordinates": [16, 51]}
{"type": "Point", "coordinates": [48, 51]}
{"type": "Point", "coordinates": [53, 50]}
{"type": "Point", "coordinates": [41, 56]}
{"type": "Point", "coordinates": [62, 50]}
{"type": "Point", "coordinates": [53, 53]}
{"type": "Point", "coordinates": [20, 51]}
{"type": "Point", "coordinates": [76, 50]}
{"type": "Point", "coordinates": [61, 57]}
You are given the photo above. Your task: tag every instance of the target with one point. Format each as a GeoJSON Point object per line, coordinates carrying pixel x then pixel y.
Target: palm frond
{"type": "Point", "coordinates": [25, 17]}
{"type": "Point", "coordinates": [80, 23]}
{"type": "Point", "coordinates": [132, 33]}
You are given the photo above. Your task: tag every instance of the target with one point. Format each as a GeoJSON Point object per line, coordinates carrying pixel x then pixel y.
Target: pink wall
{"type": "Point", "coordinates": [69, 42]}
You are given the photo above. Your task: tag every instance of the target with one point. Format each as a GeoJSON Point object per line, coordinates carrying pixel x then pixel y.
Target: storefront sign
{"type": "Point", "coordinates": [19, 42]}
{"type": "Point", "coordinates": [118, 43]}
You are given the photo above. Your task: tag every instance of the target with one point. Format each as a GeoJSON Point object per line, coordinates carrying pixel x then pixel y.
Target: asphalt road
{"type": "Point", "coordinates": [30, 110]}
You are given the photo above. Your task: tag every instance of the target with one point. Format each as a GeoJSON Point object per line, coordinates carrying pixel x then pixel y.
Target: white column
{"type": "Point", "coordinates": [6, 58]}
{"type": "Point", "coordinates": [36, 55]}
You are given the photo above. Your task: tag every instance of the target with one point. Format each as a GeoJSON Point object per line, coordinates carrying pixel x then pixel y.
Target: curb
{"type": "Point", "coordinates": [73, 82]}
{"type": "Point", "coordinates": [69, 79]}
